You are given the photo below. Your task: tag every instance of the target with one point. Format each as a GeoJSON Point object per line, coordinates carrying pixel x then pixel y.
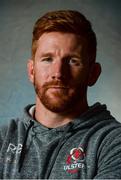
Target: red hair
{"type": "Point", "coordinates": [66, 21]}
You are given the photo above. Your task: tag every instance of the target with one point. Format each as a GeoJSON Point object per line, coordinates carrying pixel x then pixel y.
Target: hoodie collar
{"type": "Point", "coordinates": [97, 110]}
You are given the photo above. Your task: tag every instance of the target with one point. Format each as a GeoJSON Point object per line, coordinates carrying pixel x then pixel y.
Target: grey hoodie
{"type": "Point", "coordinates": [87, 148]}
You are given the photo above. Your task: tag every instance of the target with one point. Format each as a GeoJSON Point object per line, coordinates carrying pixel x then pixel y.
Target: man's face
{"type": "Point", "coordinates": [60, 71]}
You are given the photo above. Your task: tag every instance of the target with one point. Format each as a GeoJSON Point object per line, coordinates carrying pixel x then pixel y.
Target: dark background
{"type": "Point", "coordinates": [17, 18]}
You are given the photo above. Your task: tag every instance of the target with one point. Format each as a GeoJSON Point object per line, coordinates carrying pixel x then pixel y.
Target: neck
{"type": "Point", "coordinates": [53, 120]}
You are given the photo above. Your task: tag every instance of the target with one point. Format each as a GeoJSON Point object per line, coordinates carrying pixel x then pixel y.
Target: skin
{"type": "Point", "coordinates": [61, 73]}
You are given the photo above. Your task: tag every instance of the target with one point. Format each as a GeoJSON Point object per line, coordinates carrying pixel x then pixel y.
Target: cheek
{"type": "Point", "coordinates": [41, 74]}
{"type": "Point", "coordinates": [80, 76]}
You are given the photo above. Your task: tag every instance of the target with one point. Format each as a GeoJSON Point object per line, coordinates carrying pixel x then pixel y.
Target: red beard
{"type": "Point", "coordinates": [58, 97]}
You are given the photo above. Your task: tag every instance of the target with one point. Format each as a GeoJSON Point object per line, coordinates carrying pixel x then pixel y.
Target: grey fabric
{"type": "Point", "coordinates": [90, 147]}
{"type": "Point", "coordinates": [17, 18]}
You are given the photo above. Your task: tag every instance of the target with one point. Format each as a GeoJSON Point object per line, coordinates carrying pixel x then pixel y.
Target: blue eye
{"type": "Point", "coordinates": [47, 59]}
{"type": "Point", "coordinates": [74, 62]}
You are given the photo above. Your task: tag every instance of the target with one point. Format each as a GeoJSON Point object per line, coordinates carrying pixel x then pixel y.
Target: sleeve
{"type": "Point", "coordinates": [1, 139]}
{"type": "Point", "coordinates": [109, 159]}
{"type": "Point", "coordinates": [3, 131]}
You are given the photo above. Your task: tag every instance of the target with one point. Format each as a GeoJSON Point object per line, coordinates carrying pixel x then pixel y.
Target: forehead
{"type": "Point", "coordinates": [66, 42]}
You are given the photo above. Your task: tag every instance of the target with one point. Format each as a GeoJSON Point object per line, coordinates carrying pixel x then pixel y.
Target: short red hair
{"type": "Point", "coordinates": [66, 21]}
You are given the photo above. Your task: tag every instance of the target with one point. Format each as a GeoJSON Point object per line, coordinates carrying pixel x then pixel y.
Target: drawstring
{"type": "Point", "coordinates": [57, 151]}
{"type": "Point", "coordinates": [24, 147]}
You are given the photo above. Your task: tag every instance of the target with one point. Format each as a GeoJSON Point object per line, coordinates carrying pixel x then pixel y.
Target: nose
{"type": "Point", "coordinates": [59, 70]}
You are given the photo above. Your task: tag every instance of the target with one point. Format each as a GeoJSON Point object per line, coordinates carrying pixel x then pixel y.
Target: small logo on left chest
{"type": "Point", "coordinates": [14, 149]}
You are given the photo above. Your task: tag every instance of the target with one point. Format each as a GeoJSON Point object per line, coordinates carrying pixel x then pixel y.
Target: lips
{"type": "Point", "coordinates": [58, 87]}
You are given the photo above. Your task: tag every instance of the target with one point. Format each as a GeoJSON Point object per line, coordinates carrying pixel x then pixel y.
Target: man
{"type": "Point", "coordinates": [61, 137]}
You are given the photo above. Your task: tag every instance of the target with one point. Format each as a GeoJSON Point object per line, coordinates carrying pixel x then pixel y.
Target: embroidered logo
{"type": "Point", "coordinates": [14, 149]}
{"type": "Point", "coordinates": [75, 160]}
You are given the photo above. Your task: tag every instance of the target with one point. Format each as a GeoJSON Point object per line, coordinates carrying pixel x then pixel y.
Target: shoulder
{"type": "Point", "coordinates": [10, 128]}
{"type": "Point", "coordinates": [16, 126]}
{"type": "Point", "coordinates": [111, 140]}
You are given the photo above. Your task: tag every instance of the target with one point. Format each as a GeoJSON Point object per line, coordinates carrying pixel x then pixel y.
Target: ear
{"type": "Point", "coordinates": [95, 72]}
{"type": "Point", "coordinates": [30, 70]}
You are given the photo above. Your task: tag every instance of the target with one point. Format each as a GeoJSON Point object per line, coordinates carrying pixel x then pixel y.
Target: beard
{"type": "Point", "coordinates": [58, 97]}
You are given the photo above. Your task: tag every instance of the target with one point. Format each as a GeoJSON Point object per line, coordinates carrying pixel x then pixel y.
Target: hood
{"type": "Point", "coordinates": [96, 113]}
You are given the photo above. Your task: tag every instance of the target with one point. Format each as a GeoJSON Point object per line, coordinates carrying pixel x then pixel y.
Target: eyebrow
{"type": "Point", "coordinates": [49, 54]}
{"type": "Point", "coordinates": [46, 54]}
